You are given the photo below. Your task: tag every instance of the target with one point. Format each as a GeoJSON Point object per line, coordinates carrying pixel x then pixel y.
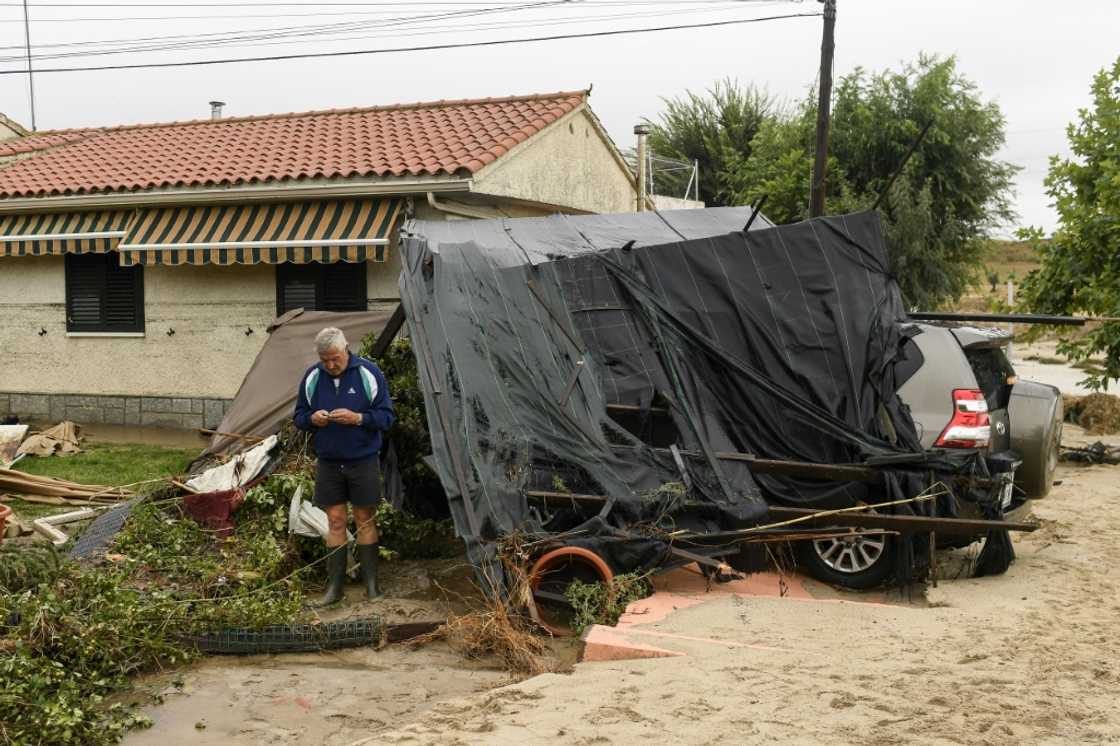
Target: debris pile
{"type": "Point", "coordinates": [1098, 414]}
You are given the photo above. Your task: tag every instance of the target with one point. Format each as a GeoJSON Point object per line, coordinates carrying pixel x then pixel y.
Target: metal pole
{"type": "Point", "coordinates": [30, 73]}
{"type": "Point", "coordinates": [824, 102]}
{"type": "Point", "coordinates": [641, 130]}
{"type": "Point", "coordinates": [1010, 327]}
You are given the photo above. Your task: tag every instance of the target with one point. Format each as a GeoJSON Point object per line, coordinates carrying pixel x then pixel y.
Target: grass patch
{"type": "Point", "coordinates": [1011, 252]}
{"type": "Point", "coordinates": [111, 464]}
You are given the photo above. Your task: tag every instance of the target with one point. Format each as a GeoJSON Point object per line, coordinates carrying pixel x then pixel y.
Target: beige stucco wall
{"type": "Point", "coordinates": [209, 307]}
{"type": "Point", "coordinates": [381, 278]}
{"type": "Point", "coordinates": [569, 164]}
{"type": "Point", "coordinates": [9, 129]}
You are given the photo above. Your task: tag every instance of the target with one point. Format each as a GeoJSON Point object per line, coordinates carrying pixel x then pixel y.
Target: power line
{"type": "Point", "coordinates": [407, 3]}
{"type": "Point", "coordinates": [191, 41]}
{"type": "Point", "coordinates": [385, 7]}
{"type": "Point", "coordinates": [281, 31]}
{"type": "Point", "coordinates": [426, 48]}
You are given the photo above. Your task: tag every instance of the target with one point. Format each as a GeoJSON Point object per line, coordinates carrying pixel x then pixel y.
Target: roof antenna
{"type": "Point", "coordinates": [754, 213]}
{"type": "Point", "coordinates": [905, 160]}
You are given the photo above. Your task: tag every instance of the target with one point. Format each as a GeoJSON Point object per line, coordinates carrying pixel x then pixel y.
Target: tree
{"type": "Point", "coordinates": [1080, 270]}
{"type": "Point", "coordinates": [940, 210]}
{"type": "Point", "coordinates": [710, 128]}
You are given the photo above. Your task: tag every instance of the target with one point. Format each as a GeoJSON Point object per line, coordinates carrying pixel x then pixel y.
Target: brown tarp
{"type": "Point", "coordinates": [30, 486]}
{"type": "Point", "coordinates": [60, 440]}
{"type": "Point", "coordinates": [267, 396]}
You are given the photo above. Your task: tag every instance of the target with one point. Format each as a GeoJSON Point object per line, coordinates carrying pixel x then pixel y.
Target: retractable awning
{"type": "Point", "coordinates": [45, 233]}
{"type": "Point", "coordinates": [296, 232]}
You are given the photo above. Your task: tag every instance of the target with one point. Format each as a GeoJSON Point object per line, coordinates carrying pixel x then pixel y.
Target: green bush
{"type": "Point", "coordinates": [409, 435]}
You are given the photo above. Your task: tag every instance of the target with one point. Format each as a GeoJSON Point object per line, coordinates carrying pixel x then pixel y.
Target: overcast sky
{"type": "Point", "coordinates": [1034, 59]}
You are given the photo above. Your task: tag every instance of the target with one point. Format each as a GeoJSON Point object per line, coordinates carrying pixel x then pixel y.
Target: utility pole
{"type": "Point", "coordinates": [30, 73]}
{"type": "Point", "coordinates": [824, 105]}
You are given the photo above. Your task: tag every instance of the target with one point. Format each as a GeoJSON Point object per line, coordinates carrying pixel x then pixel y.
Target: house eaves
{"type": "Point", "coordinates": [303, 190]}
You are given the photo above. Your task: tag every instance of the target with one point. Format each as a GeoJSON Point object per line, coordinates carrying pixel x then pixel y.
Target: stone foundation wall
{"type": "Point", "coordinates": [84, 409]}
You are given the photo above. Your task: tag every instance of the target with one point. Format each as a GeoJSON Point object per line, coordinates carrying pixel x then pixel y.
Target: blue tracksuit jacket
{"type": "Point", "coordinates": [361, 388]}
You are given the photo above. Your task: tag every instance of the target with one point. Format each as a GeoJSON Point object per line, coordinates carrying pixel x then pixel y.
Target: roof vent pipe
{"type": "Point", "coordinates": [642, 131]}
{"type": "Point", "coordinates": [216, 109]}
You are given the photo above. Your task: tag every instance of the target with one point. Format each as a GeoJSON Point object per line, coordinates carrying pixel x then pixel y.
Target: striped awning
{"type": "Point", "coordinates": [298, 232]}
{"type": "Point", "coordinates": [43, 233]}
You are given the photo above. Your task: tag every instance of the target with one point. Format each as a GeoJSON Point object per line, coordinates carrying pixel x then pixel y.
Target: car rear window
{"type": "Point", "coordinates": [909, 360]}
{"type": "Point", "coordinates": [992, 370]}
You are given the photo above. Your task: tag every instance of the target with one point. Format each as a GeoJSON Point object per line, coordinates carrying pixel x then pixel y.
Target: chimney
{"type": "Point", "coordinates": [642, 130]}
{"type": "Point", "coordinates": [216, 109]}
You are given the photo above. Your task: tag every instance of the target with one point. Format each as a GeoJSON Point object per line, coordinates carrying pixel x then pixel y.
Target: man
{"type": "Point", "coordinates": [344, 400]}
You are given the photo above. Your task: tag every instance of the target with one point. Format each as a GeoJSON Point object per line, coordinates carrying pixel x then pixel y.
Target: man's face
{"type": "Point", "coordinates": [334, 361]}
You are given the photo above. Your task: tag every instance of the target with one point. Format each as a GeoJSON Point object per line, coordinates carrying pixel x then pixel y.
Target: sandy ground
{"type": "Point", "coordinates": [1029, 657]}
{"type": "Point", "coordinates": [329, 698]}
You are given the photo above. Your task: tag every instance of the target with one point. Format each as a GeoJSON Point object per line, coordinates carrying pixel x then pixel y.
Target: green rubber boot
{"type": "Point", "coordinates": [367, 559]}
{"type": "Point", "coordinates": [336, 576]}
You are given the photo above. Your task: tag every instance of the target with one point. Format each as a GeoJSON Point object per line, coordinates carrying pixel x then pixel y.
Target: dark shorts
{"type": "Point", "coordinates": [357, 484]}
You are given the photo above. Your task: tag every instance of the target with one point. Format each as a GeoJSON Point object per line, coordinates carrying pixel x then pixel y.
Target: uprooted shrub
{"type": "Point", "coordinates": [605, 603]}
{"type": "Point", "coordinates": [496, 628]}
{"type": "Point", "coordinates": [71, 636]}
{"type": "Point", "coordinates": [403, 535]}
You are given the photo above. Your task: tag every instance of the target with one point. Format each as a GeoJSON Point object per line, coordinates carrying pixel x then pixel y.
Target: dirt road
{"type": "Point", "coordinates": [1032, 656]}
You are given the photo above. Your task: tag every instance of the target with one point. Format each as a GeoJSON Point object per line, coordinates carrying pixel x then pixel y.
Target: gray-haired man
{"type": "Point", "coordinates": [344, 400]}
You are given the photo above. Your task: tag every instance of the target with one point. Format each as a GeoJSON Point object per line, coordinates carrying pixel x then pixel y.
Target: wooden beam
{"type": "Point", "coordinates": [905, 523]}
{"type": "Point", "coordinates": [388, 333]}
{"type": "Point", "coordinates": [900, 523]}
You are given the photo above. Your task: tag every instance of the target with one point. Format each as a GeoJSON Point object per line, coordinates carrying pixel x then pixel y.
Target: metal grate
{"type": "Point", "coordinates": [289, 639]}
{"type": "Point", "coordinates": [101, 532]}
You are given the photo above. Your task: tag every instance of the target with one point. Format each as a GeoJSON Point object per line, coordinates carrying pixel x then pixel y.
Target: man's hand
{"type": "Point", "coordinates": [345, 417]}
{"type": "Point", "coordinates": [320, 418]}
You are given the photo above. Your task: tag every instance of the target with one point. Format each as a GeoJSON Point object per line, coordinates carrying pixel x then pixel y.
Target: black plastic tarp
{"type": "Point", "coordinates": [567, 354]}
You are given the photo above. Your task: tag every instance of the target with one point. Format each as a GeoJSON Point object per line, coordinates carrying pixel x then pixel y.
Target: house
{"type": "Point", "coordinates": [140, 265]}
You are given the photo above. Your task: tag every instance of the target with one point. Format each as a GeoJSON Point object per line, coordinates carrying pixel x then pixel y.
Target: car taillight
{"type": "Point", "coordinates": [970, 426]}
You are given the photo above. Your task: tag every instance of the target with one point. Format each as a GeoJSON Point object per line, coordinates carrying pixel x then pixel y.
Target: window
{"type": "Point", "coordinates": [103, 296]}
{"type": "Point", "coordinates": [321, 287]}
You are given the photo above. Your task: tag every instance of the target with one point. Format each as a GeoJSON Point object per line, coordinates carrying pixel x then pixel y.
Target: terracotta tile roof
{"type": "Point", "coordinates": [43, 141]}
{"type": "Point", "coordinates": [436, 138]}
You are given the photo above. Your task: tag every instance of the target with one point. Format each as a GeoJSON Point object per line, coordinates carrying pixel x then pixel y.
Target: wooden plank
{"type": "Point", "coordinates": [901, 523]}
{"type": "Point", "coordinates": [832, 472]}
{"type": "Point", "coordinates": [905, 523]}
{"type": "Point", "coordinates": [409, 630]}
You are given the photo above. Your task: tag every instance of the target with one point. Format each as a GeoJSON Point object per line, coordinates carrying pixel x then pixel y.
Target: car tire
{"type": "Point", "coordinates": [860, 562]}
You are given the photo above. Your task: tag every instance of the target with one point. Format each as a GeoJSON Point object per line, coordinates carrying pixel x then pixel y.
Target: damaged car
{"type": "Point", "coordinates": [962, 392]}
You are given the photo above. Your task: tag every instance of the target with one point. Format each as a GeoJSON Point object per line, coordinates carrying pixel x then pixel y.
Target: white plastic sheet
{"type": "Point", "coordinates": [237, 472]}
